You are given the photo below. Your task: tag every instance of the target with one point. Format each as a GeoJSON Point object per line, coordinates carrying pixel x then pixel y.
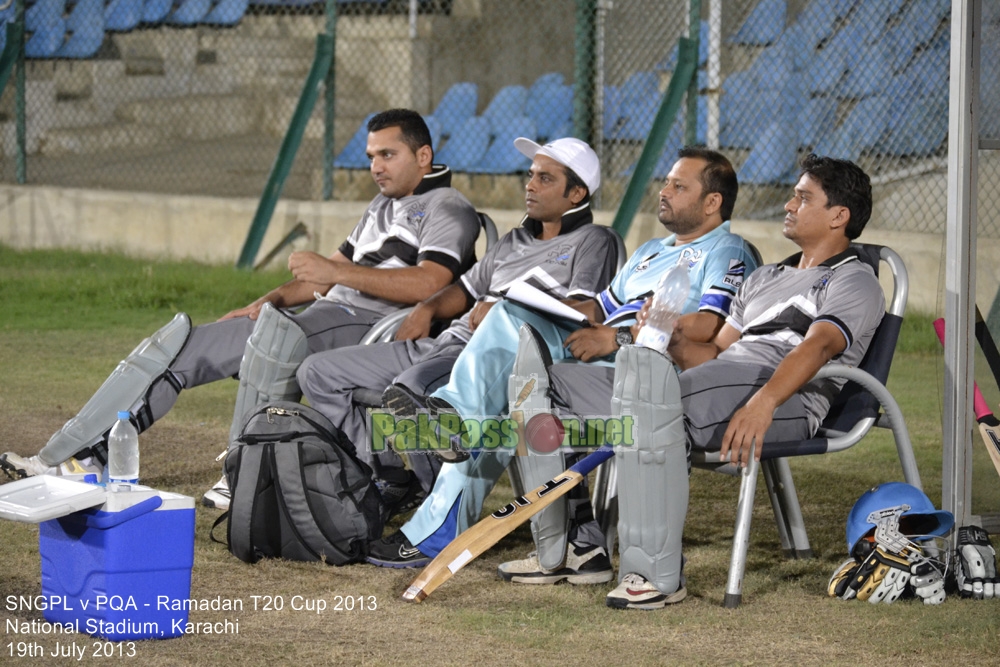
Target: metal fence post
{"type": "Point", "coordinates": [583, 65]}
{"type": "Point", "coordinates": [694, 34]}
{"type": "Point", "coordinates": [330, 99]}
{"type": "Point", "coordinates": [21, 167]}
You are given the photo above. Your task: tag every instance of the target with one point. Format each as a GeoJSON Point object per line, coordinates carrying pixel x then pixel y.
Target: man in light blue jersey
{"type": "Point", "coordinates": [695, 205]}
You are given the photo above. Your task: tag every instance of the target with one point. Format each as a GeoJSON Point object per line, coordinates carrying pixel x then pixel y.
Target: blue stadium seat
{"type": "Point", "coordinates": [501, 157]}
{"type": "Point", "coordinates": [817, 120]}
{"type": "Point", "coordinates": [122, 15]}
{"type": "Point", "coordinates": [226, 12]}
{"type": "Point", "coordinates": [546, 80]}
{"type": "Point", "coordinates": [612, 109]}
{"type": "Point", "coordinates": [466, 147]}
{"type": "Point", "coordinates": [189, 12]}
{"type": "Point", "coordinates": [564, 130]}
{"type": "Point", "coordinates": [862, 130]}
{"type": "Point", "coordinates": [154, 11]}
{"type": "Point", "coordinates": [44, 27]}
{"type": "Point", "coordinates": [931, 68]}
{"type": "Point", "coordinates": [773, 159]}
{"type": "Point", "coordinates": [637, 104]}
{"type": "Point", "coordinates": [925, 16]}
{"type": "Point", "coordinates": [285, 3]}
{"type": "Point", "coordinates": [872, 18]}
{"type": "Point", "coordinates": [918, 126]}
{"type": "Point", "coordinates": [763, 26]}
{"type": "Point", "coordinates": [507, 103]}
{"type": "Point", "coordinates": [670, 62]}
{"type": "Point", "coordinates": [832, 63]}
{"type": "Point", "coordinates": [457, 105]}
{"type": "Point", "coordinates": [900, 42]}
{"type": "Point", "coordinates": [745, 109]}
{"type": "Point", "coordinates": [6, 15]}
{"type": "Point", "coordinates": [773, 66]}
{"type": "Point", "coordinates": [818, 20]}
{"type": "Point", "coordinates": [84, 30]}
{"type": "Point", "coordinates": [353, 156]}
{"type": "Point", "coordinates": [434, 127]}
{"type": "Point", "coordinates": [549, 105]}
{"type": "Point", "coordinates": [869, 67]}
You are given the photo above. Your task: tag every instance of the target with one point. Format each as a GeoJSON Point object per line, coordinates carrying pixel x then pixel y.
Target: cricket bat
{"type": "Point", "coordinates": [988, 346]}
{"type": "Point", "coordinates": [480, 537]}
{"type": "Point", "coordinates": [989, 425]}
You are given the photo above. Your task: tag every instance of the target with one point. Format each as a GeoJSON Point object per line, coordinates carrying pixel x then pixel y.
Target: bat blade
{"type": "Point", "coordinates": [480, 537]}
{"type": "Point", "coordinates": [989, 425]}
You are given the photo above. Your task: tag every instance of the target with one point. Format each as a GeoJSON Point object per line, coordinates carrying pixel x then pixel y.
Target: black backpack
{"type": "Point", "coordinates": [298, 490]}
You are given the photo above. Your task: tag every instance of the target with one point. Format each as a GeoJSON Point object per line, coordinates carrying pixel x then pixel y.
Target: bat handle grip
{"type": "Point", "coordinates": [979, 403]}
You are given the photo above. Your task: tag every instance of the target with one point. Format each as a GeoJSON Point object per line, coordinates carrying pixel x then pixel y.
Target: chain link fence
{"type": "Point", "coordinates": [195, 96]}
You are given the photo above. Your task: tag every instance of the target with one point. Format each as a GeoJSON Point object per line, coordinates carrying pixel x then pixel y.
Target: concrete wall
{"type": "Point", "coordinates": [213, 230]}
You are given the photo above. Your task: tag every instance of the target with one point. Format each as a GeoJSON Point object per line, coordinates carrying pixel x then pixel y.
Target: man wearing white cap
{"type": "Point", "coordinates": [557, 249]}
{"type": "Point", "coordinates": [696, 203]}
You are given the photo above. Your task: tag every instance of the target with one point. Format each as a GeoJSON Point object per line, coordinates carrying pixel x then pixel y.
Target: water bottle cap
{"type": "Point", "coordinates": [124, 414]}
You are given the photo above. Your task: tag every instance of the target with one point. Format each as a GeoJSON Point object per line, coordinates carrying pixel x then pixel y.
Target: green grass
{"type": "Point", "coordinates": [68, 318]}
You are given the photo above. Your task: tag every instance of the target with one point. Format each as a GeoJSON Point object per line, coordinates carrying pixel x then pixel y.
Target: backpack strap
{"type": "Point", "coordinates": [211, 533]}
{"type": "Point", "coordinates": [292, 497]}
{"type": "Point", "coordinates": [243, 500]}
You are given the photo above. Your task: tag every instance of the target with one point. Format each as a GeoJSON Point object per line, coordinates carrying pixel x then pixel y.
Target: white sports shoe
{"type": "Point", "coordinates": [18, 467]}
{"type": "Point", "coordinates": [218, 495]}
{"type": "Point", "coordinates": [636, 593]}
{"type": "Point", "coordinates": [584, 564]}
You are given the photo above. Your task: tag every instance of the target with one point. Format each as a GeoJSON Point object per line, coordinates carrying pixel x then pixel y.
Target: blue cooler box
{"type": "Point", "coordinates": [123, 569]}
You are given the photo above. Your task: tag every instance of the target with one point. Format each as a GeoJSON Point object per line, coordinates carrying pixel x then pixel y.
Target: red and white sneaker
{"type": "Point", "coordinates": [636, 593]}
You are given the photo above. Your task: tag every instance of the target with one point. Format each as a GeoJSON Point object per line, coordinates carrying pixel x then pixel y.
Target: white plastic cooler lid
{"type": "Point", "coordinates": [38, 499]}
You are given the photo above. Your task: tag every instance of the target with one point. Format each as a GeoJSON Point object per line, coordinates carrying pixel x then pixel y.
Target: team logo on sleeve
{"type": "Point", "coordinates": [735, 274]}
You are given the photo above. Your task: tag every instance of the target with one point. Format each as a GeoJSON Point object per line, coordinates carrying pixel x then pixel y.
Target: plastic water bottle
{"type": "Point", "coordinates": [123, 451]}
{"type": "Point", "coordinates": [668, 304]}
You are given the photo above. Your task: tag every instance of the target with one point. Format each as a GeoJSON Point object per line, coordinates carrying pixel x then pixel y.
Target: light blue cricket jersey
{"type": "Point", "coordinates": [717, 264]}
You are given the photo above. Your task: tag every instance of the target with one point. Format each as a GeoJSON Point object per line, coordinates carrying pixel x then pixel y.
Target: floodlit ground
{"type": "Point", "coordinates": [68, 319]}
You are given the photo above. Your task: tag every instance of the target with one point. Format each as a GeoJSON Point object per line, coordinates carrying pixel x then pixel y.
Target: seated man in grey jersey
{"type": "Point", "coordinates": [557, 248]}
{"type": "Point", "coordinates": [695, 204]}
{"type": "Point", "coordinates": [417, 235]}
{"type": "Point", "coordinates": [750, 383]}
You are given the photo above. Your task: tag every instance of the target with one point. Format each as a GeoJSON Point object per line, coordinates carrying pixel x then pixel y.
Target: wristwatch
{"type": "Point", "coordinates": [623, 336]}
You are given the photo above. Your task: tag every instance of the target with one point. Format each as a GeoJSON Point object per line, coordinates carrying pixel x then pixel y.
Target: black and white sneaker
{"type": "Point", "coordinates": [405, 403]}
{"type": "Point", "coordinates": [395, 551]}
{"type": "Point", "coordinates": [635, 592]}
{"type": "Point", "coordinates": [218, 496]}
{"type": "Point", "coordinates": [584, 564]}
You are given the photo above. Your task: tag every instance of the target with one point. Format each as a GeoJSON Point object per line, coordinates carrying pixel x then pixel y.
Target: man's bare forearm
{"type": "Point", "coordinates": [408, 285]}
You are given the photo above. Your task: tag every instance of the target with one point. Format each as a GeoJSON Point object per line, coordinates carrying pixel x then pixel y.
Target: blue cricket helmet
{"type": "Point", "coordinates": [924, 518]}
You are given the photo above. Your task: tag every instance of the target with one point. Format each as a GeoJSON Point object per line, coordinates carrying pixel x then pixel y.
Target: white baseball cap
{"type": "Point", "coordinates": [569, 152]}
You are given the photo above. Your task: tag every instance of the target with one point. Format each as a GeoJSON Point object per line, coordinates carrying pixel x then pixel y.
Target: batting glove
{"type": "Point", "coordinates": [976, 567]}
{"type": "Point", "coordinates": [927, 582]}
{"type": "Point", "coordinates": [882, 577]}
{"type": "Point", "coordinates": [839, 584]}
